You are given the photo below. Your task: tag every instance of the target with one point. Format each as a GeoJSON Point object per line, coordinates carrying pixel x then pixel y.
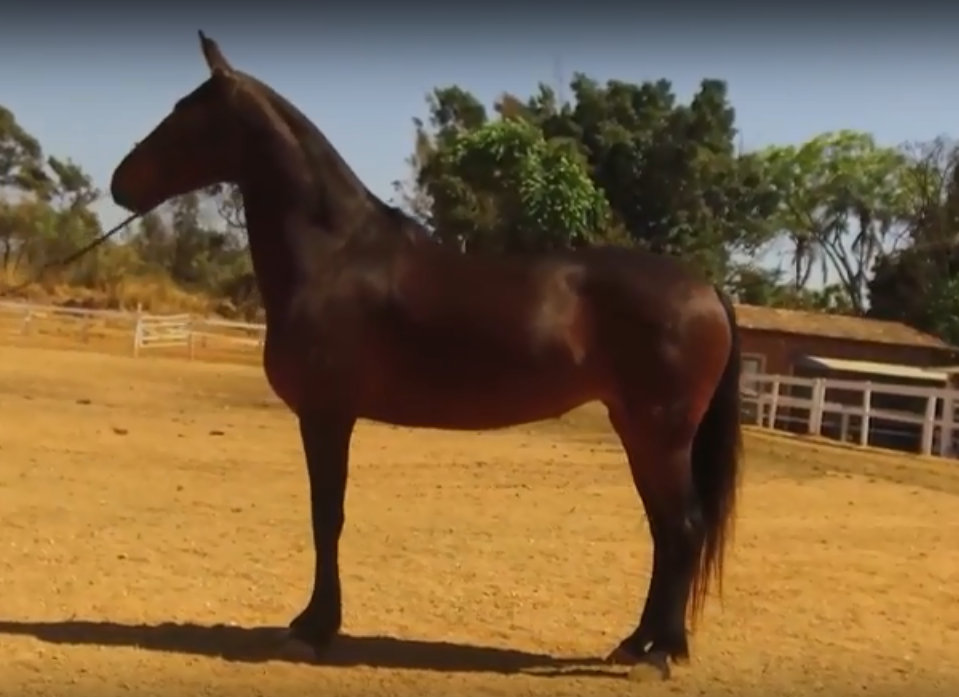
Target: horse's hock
{"type": "Point", "coordinates": [131, 531]}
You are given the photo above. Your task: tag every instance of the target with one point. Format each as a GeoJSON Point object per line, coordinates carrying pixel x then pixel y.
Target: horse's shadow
{"type": "Point", "coordinates": [259, 644]}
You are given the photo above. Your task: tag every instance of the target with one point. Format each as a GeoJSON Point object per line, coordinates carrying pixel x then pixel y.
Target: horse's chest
{"type": "Point", "coordinates": [311, 362]}
{"type": "Point", "coordinates": [282, 373]}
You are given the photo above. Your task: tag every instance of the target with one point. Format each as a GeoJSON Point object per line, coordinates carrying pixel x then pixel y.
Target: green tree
{"type": "Point", "coordinates": [23, 222]}
{"type": "Point", "coordinates": [202, 257]}
{"type": "Point", "coordinates": [153, 242]}
{"type": "Point", "coordinates": [503, 187]}
{"type": "Point", "coordinates": [228, 202]}
{"type": "Point", "coordinates": [908, 286]}
{"type": "Point", "coordinates": [754, 285]}
{"type": "Point", "coordinates": [70, 193]}
{"type": "Point", "coordinates": [21, 157]}
{"type": "Point", "coordinates": [942, 310]}
{"type": "Point", "coordinates": [452, 111]}
{"type": "Point", "coordinates": [44, 201]}
{"type": "Point", "coordinates": [670, 172]}
{"type": "Point", "coordinates": [842, 195]}
{"type": "Point", "coordinates": [191, 240]}
{"type": "Point", "coordinates": [917, 283]}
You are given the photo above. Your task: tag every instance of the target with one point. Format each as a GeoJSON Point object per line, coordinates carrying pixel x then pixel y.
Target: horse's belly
{"type": "Point", "coordinates": [478, 404]}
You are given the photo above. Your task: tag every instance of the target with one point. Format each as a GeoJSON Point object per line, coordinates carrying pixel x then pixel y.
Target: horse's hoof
{"type": "Point", "coordinates": [645, 668]}
{"type": "Point", "coordinates": [296, 650]}
{"type": "Point", "coordinates": [621, 656]}
{"type": "Point", "coordinates": [285, 645]}
{"type": "Point", "coordinates": [653, 667]}
{"type": "Point", "coordinates": [319, 636]}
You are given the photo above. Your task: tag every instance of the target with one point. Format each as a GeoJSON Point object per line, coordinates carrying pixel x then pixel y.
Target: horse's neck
{"type": "Point", "coordinates": [306, 213]}
{"type": "Point", "coordinates": [298, 237]}
{"type": "Point", "coordinates": [280, 248]}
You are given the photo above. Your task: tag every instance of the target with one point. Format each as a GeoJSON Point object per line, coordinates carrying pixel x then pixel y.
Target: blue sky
{"type": "Point", "coordinates": [88, 92]}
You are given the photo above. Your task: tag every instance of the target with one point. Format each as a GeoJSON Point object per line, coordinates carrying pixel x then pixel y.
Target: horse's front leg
{"type": "Point", "coordinates": [326, 443]}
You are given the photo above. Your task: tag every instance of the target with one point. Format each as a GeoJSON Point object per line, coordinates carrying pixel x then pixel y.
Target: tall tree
{"type": "Point", "coordinates": [919, 283]}
{"type": "Point", "coordinates": [754, 285]}
{"type": "Point", "coordinates": [670, 172]}
{"type": "Point", "coordinates": [21, 157]}
{"type": "Point", "coordinates": [452, 111]}
{"type": "Point", "coordinates": [203, 257]}
{"type": "Point", "coordinates": [45, 200]}
{"type": "Point", "coordinates": [153, 242]}
{"type": "Point", "coordinates": [228, 202]}
{"type": "Point", "coordinates": [842, 195]}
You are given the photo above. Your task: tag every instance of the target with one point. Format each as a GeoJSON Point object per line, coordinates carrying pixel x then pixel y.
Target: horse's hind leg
{"type": "Point", "coordinates": [659, 455]}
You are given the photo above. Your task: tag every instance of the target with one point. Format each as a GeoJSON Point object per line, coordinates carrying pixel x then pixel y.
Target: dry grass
{"type": "Point", "coordinates": [145, 502]}
{"type": "Point", "coordinates": [157, 294]}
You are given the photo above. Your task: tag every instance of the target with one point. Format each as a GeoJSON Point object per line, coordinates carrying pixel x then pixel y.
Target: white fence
{"type": "Point", "coordinates": [143, 331]}
{"type": "Point", "coordinates": [170, 331]}
{"type": "Point", "coordinates": [920, 419]}
{"type": "Point", "coordinates": [161, 331]}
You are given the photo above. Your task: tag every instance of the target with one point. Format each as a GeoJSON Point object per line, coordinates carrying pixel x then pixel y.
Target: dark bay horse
{"type": "Point", "coordinates": [368, 318]}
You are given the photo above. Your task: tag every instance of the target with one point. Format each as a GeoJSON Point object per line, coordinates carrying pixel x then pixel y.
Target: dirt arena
{"type": "Point", "coordinates": [155, 520]}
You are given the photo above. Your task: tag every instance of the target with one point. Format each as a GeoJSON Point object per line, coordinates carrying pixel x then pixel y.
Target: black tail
{"type": "Point", "coordinates": [717, 451]}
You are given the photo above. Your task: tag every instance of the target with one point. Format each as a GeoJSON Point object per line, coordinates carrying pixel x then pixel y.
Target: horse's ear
{"type": "Point", "coordinates": [214, 56]}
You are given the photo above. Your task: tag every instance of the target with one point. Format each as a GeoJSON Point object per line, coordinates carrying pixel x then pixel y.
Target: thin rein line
{"type": "Point", "coordinates": [34, 278]}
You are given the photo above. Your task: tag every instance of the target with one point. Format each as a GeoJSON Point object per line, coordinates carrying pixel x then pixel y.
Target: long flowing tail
{"type": "Point", "coordinates": [717, 452]}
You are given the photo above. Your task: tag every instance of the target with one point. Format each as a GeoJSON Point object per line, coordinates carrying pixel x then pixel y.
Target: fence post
{"type": "Point", "coordinates": [929, 424]}
{"type": "Point", "coordinates": [138, 331]}
{"type": "Point", "coordinates": [865, 423]}
{"type": "Point", "coordinates": [27, 321]}
{"type": "Point", "coordinates": [817, 407]}
{"type": "Point", "coordinates": [748, 382]}
{"type": "Point", "coordinates": [85, 322]}
{"type": "Point", "coordinates": [773, 403]}
{"type": "Point", "coordinates": [191, 338]}
{"type": "Point", "coordinates": [948, 424]}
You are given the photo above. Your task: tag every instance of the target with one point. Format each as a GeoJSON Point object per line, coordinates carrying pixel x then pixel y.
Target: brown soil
{"type": "Point", "coordinates": [154, 517]}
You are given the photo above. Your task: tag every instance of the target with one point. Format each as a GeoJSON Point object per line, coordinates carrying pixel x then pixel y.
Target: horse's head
{"type": "Point", "coordinates": [196, 145]}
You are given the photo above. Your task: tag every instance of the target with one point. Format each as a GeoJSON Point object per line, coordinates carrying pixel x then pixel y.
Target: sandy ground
{"type": "Point", "coordinates": [155, 520]}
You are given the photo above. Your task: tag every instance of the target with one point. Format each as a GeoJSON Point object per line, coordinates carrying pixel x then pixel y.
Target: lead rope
{"type": "Point", "coordinates": [70, 258]}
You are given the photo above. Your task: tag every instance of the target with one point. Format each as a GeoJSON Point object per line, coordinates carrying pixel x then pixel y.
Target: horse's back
{"type": "Point", "coordinates": [573, 314]}
{"type": "Point", "coordinates": [518, 300]}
